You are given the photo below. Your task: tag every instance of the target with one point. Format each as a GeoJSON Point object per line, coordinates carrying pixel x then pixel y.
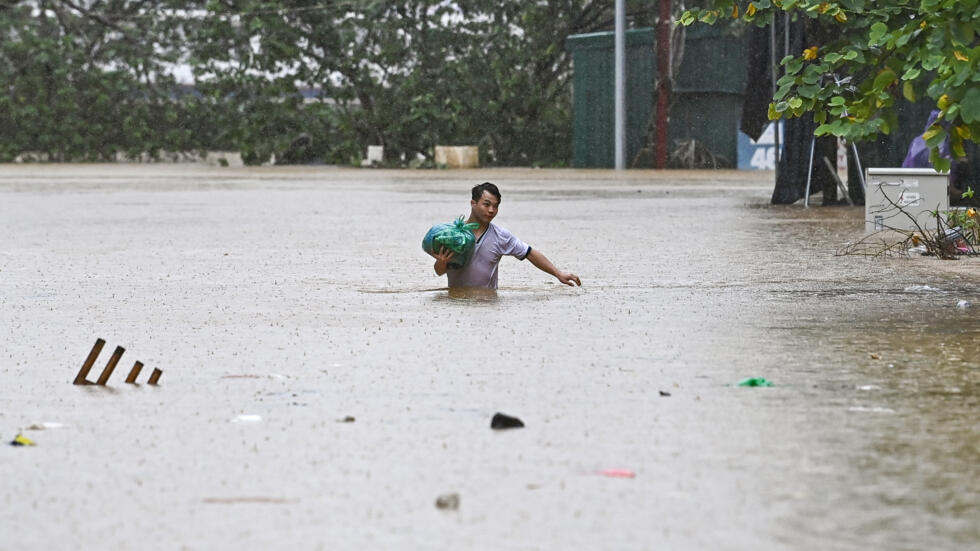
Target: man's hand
{"type": "Point", "coordinates": [569, 279]}
{"type": "Point", "coordinates": [442, 260]}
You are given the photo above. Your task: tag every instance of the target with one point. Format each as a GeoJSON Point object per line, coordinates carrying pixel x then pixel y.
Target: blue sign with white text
{"type": "Point", "coordinates": [760, 154]}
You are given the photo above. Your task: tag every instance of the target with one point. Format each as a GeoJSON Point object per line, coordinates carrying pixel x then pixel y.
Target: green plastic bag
{"type": "Point", "coordinates": [755, 381]}
{"type": "Point", "coordinates": [456, 236]}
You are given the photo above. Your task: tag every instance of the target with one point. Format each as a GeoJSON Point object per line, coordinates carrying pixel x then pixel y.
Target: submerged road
{"type": "Point", "coordinates": [321, 389]}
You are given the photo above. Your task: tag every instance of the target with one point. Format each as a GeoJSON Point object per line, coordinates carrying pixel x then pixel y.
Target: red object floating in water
{"type": "Point", "coordinates": [618, 473]}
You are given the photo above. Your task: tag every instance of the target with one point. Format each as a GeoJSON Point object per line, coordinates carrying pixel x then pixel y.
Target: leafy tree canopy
{"type": "Point", "coordinates": [877, 51]}
{"type": "Point", "coordinates": [80, 85]}
{"type": "Point", "coordinates": [93, 79]}
{"type": "Point", "coordinates": [406, 75]}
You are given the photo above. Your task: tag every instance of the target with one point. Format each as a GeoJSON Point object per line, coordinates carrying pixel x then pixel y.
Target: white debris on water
{"type": "Point", "coordinates": [47, 425]}
{"type": "Point", "coordinates": [921, 289]}
{"type": "Point", "coordinates": [876, 409]}
{"type": "Point", "coordinates": [247, 418]}
{"type": "Point", "coordinates": [963, 304]}
{"type": "Point", "coordinates": [869, 387]}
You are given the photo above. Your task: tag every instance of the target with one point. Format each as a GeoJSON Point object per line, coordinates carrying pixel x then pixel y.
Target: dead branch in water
{"type": "Point", "coordinates": [876, 245]}
{"type": "Point", "coordinates": [941, 243]}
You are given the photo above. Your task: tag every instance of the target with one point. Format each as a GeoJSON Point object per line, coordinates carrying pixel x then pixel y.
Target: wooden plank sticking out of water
{"type": "Point", "coordinates": [109, 367]}
{"type": "Point", "coordinates": [134, 372]}
{"type": "Point", "coordinates": [155, 376]}
{"type": "Point", "coordinates": [80, 378]}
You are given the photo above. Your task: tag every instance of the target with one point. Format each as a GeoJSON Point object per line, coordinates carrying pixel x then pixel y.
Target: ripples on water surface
{"type": "Point", "coordinates": [242, 286]}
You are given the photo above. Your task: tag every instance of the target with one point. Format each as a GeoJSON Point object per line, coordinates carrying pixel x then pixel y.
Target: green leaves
{"type": "Point", "coordinates": [970, 104]}
{"type": "Point", "coordinates": [406, 75]}
{"type": "Point", "coordinates": [908, 91]}
{"type": "Point", "coordinates": [83, 87]}
{"type": "Point", "coordinates": [878, 31]}
{"type": "Point", "coordinates": [792, 65]}
{"type": "Point", "coordinates": [934, 136]}
{"type": "Point", "coordinates": [930, 47]}
{"type": "Point", "coordinates": [884, 79]}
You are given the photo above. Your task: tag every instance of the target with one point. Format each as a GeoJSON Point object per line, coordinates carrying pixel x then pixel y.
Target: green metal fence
{"type": "Point", "coordinates": [708, 93]}
{"type": "Point", "coordinates": [593, 95]}
{"type": "Point", "coordinates": [706, 101]}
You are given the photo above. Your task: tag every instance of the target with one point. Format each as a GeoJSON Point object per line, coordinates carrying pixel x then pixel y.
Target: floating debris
{"type": "Point", "coordinates": [21, 440]}
{"type": "Point", "coordinates": [876, 409]}
{"type": "Point", "coordinates": [501, 421]}
{"type": "Point", "coordinates": [921, 289]}
{"type": "Point", "coordinates": [47, 425]}
{"type": "Point", "coordinates": [618, 473]}
{"type": "Point", "coordinates": [448, 502]}
{"type": "Point", "coordinates": [755, 381]}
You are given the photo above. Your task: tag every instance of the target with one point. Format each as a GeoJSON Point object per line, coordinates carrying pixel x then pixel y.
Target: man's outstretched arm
{"type": "Point", "coordinates": [542, 263]}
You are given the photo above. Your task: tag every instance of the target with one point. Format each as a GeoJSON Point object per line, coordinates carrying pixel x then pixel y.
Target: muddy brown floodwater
{"type": "Point", "coordinates": [321, 389]}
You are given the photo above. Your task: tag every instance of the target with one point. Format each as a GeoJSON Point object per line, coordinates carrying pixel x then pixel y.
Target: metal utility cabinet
{"type": "Point", "coordinates": [918, 191]}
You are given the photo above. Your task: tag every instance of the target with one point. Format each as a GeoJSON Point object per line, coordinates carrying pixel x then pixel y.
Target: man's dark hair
{"type": "Point", "coordinates": [487, 187]}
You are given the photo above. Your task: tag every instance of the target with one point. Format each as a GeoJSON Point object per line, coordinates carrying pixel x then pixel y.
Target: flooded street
{"type": "Point", "coordinates": [282, 302]}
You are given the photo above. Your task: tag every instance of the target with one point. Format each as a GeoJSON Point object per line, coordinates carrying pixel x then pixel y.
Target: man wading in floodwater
{"type": "Point", "coordinates": [492, 242]}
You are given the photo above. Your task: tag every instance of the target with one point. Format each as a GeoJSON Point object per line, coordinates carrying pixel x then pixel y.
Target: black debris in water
{"type": "Point", "coordinates": [501, 421]}
{"type": "Point", "coordinates": [449, 502]}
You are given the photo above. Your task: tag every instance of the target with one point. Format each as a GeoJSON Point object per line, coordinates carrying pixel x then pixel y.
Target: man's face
{"type": "Point", "coordinates": [486, 208]}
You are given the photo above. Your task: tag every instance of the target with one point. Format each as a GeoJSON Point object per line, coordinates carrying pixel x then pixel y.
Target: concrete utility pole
{"type": "Point", "coordinates": [620, 101]}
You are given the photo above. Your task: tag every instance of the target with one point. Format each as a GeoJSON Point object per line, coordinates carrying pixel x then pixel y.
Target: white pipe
{"type": "Point", "coordinates": [809, 172]}
{"type": "Point", "coordinates": [620, 101]}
